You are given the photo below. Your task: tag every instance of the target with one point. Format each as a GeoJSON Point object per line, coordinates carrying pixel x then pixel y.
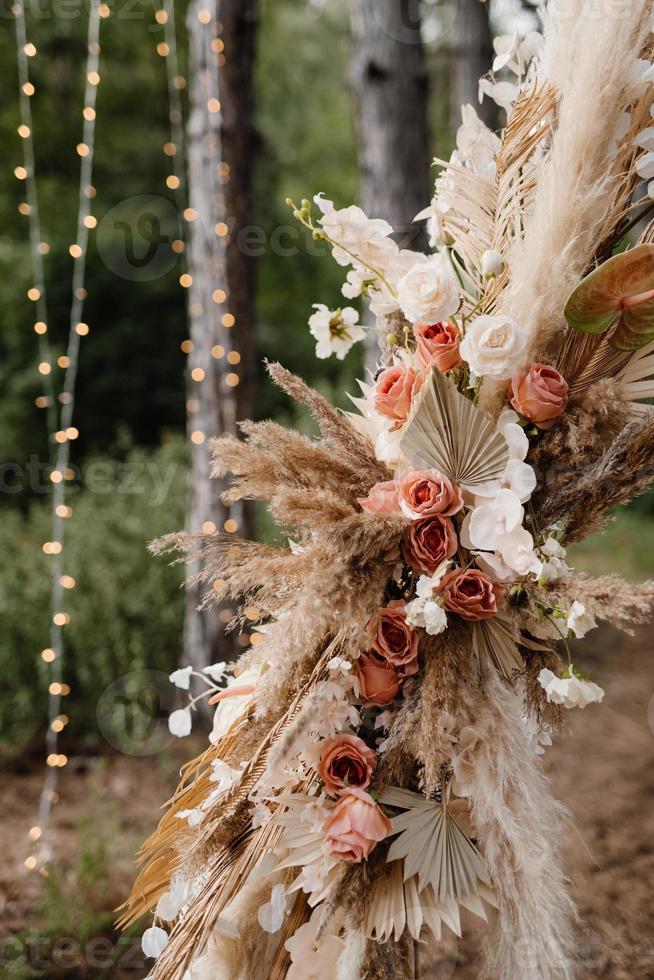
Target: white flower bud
{"type": "Point", "coordinates": [491, 263]}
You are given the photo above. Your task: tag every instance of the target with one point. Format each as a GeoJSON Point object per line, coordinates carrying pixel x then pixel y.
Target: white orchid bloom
{"type": "Point", "coordinates": [514, 434]}
{"type": "Point", "coordinates": [494, 519]}
{"type": "Point", "coordinates": [517, 551]}
{"type": "Point", "coordinates": [336, 331]}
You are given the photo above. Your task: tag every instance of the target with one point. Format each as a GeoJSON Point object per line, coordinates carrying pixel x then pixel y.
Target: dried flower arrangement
{"type": "Point", "coordinates": [374, 763]}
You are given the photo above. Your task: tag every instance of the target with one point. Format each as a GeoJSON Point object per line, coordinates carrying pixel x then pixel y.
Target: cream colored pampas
{"type": "Point", "coordinates": [589, 59]}
{"type": "Point", "coordinates": [518, 824]}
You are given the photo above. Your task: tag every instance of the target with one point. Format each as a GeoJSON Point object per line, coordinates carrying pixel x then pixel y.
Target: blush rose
{"type": "Point", "coordinates": [345, 762]}
{"type": "Point", "coordinates": [428, 543]}
{"type": "Point", "coordinates": [379, 682]}
{"type": "Point", "coordinates": [355, 827]}
{"type": "Point", "coordinates": [541, 395]}
{"type": "Point", "coordinates": [438, 345]}
{"type": "Point", "coordinates": [471, 594]}
{"type": "Point", "coordinates": [426, 493]}
{"type": "Point", "coordinates": [395, 389]}
{"type": "Point", "coordinates": [382, 499]}
{"type": "Point", "coordinates": [395, 641]}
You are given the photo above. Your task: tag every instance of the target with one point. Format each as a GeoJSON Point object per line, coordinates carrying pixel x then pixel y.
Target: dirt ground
{"type": "Point", "coordinates": [602, 771]}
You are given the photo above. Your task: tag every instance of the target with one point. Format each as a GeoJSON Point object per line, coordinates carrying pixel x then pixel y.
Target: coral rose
{"type": "Point", "coordinates": [395, 641]}
{"type": "Point", "coordinates": [541, 395]}
{"type": "Point", "coordinates": [346, 762]}
{"type": "Point", "coordinates": [382, 499]}
{"type": "Point", "coordinates": [428, 543]}
{"type": "Point", "coordinates": [379, 682]}
{"type": "Point", "coordinates": [355, 827]}
{"type": "Point", "coordinates": [425, 493]}
{"type": "Point", "coordinates": [438, 345]}
{"type": "Point", "coordinates": [471, 594]}
{"type": "Point", "coordinates": [395, 389]}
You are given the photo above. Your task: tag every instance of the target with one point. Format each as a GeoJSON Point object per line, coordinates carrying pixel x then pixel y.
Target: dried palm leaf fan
{"type": "Point", "coordinates": [374, 762]}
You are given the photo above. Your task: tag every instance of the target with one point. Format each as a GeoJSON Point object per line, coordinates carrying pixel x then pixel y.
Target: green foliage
{"type": "Point", "coordinates": [127, 608]}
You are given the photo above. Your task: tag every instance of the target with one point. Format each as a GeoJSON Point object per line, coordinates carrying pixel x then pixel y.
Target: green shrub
{"type": "Point", "coordinates": [127, 607]}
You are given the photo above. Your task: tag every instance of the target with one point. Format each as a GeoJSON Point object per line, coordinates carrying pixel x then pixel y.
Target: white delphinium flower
{"type": "Point", "coordinates": [354, 234]}
{"type": "Point", "coordinates": [476, 145]}
{"type": "Point", "coordinates": [271, 915]}
{"type": "Point", "coordinates": [171, 902]}
{"type": "Point", "coordinates": [428, 292]}
{"type": "Point", "coordinates": [215, 671]}
{"type": "Point", "coordinates": [515, 52]}
{"type": "Point", "coordinates": [580, 622]}
{"type": "Point", "coordinates": [491, 263]}
{"type": "Point", "coordinates": [503, 94]}
{"type": "Point", "coordinates": [426, 611]}
{"type": "Point", "coordinates": [181, 678]}
{"type": "Point", "coordinates": [355, 281]}
{"type": "Point", "coordinates": [153, 942]}
{"type": "Point", "coordinates": [494, 346]}
{"type": "Point", "coordinates": [433, 215]}
{"type": "Point", "coordinates": [180, 722]}
{"type": "Point", "coordinates": [570, 691]}
{"type": "Point", "coordinates": [336, 331]}
{"type": "Point", "coordinates": [554, 565]}
{"type": "Point", "coordinates": [193, 817]}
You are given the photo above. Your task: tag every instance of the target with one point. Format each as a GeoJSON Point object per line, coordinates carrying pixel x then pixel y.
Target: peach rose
{"type": "Point", "coordinates": [438, 345]}
{"type": "Point", "coordinates": [346, 762]}
{"type": "Point", "coordinates": [355, 827]}
{"type": "Point", "coordinates": [428, 543]}
{"type": "Point", "coordinates": [541, 395]}
{"type": "Point", "coordinates": [379, 682]}
{"type": "Point", "coordinates": [382, 499]}
{"type": "Point", "coordinates": [395, 641]}
{"type": "Point", "coordinates": [395, 389]}
{"type": "Point", "coordinates": [471, 594]}
{"type": "Point", "coordinates": [425, 493]}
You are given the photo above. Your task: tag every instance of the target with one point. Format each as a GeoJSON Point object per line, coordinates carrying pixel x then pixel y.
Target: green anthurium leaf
{"type": "Point", "coordinates": [623, 285]}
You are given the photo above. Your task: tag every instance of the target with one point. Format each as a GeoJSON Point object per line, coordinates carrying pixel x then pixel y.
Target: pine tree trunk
{"type": "Point", "coordinates": [221, 363]}
{"type": "Point", "coordinates": [473, 57]}
{"type": "Point", "coordinates": [391, 86]}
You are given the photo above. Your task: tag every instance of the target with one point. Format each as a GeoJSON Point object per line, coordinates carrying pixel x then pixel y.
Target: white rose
{"type": "Point", "coordinates": [428, 292]}
{"type": "Point", "coordinates": [494, 346]}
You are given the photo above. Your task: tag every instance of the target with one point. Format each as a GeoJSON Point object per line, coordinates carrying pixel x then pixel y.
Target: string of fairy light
{"type": "Point", "coordinates": [62, 431]}
{"type": "Point", "coordinates": [26, 174]}
{"type": "Point", "coordinates": [174, 149]}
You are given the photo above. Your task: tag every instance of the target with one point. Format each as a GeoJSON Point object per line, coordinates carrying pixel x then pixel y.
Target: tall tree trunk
{"type": "Point", "coordinates": [391, 86]}
{"type": "Point", "coordinates": [473, 57]}
{"type": "Point", "coordinates": [221, 363]}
